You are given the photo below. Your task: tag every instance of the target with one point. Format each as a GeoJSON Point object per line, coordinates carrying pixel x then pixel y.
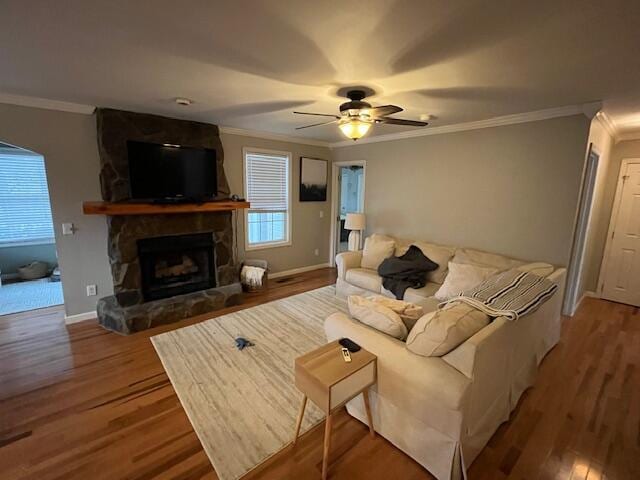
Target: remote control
{"type": "Point", "coordinates": [349, 344]}
{"type": "Point", "coordinates": [346, 355]}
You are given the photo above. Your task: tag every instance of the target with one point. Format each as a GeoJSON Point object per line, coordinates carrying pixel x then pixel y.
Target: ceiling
{"type": "Point", "coordinates": [250, 63]}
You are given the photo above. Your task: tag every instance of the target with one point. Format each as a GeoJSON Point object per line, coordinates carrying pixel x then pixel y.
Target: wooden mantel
{"type": "Point", "coordinates": [113, 209]}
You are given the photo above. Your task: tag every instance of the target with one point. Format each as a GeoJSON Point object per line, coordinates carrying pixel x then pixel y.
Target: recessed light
{"type": "Point", "coordinates": [185, 102]}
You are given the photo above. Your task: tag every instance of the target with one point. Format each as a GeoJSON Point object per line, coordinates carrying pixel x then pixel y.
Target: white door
{"type": "Point", "coordinates": [622, 271]}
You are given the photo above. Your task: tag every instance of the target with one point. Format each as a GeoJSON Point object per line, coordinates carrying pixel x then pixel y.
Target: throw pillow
{"type": "Point", "coordinates": [462, 277]}
{"type": "Point", "coordinates": [409, 312]}
{"type": "Point", "coordinates": [377, 316]}
{"type": "Point", "coordinates": [437, 333]}
{"type": "Point", "coordinates": [541, 269]}
{"type": "Point", "coordinates": [376, 249]}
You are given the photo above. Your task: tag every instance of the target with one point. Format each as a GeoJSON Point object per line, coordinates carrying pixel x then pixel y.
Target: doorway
{"type": "Point", "coordinates": [29, 274]}
{"type": "Point", "coordinates": [349, 188]}
{"type": "Point", "coordinates": [620, 272]}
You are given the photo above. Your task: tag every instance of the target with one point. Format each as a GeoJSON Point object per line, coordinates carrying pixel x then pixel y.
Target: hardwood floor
{"type": "Point", "coordinates": [78, 402]}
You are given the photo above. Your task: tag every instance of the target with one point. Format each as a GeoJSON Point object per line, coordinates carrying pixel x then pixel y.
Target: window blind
{"type": "Point", "coordinates": [267, 181]}
{"type": "Point", "coordinates": [25, 212]}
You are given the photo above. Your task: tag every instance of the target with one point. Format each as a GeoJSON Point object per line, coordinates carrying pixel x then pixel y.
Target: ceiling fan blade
{"type": "Point", "coordinates": [318, 114]}
{"type": "Point", "coordinates": [317, 124]}
{"type": "Point", "coordinates": [383, 110]}
{"type": "Point", "coordinates": [399, 121]}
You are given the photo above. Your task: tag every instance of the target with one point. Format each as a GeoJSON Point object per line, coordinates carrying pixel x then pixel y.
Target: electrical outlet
{"type": "Point", "coordinates": [321, 213]}
{"type": "Point", "coordinates": [92, 290]}
{"type": "Point", "coordinates": [316, 252]}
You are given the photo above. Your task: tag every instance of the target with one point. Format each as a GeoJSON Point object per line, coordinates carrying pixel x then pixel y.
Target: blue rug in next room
{"type": "Point", "coordinates": [23, 296]}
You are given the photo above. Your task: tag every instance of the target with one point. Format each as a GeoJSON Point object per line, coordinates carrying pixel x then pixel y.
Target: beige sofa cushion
{"type": "Point", "coordinates": [439, 254]}
{"type": "Point", "coordinates": [409, 312]}
{"type": "Point", "coordinates": [416, 295]}
{"type": "Point", "coordinates": [478, 257]}
{"type": "Point", "coordinates": [376, 249]}
{"type": "Point", "coordinates": [364, 278]}
{"type": "Point", "coordinates": [377, 316]}
{"type": "Point", "coordinates": [462, 277]}
{"type": "Point", "coordinates": [541, 269]}
{"type": "Point", "coordinates": [439, 332]}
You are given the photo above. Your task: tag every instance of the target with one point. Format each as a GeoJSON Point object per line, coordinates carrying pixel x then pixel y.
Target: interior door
{"type": "Point", "coordinates": [350, 200]}
{"type": "Point", "coordinates": [622, 273]}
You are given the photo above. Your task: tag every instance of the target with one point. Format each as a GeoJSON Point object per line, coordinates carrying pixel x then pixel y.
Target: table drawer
{"type": "Point", "coordinates": [345, 389]}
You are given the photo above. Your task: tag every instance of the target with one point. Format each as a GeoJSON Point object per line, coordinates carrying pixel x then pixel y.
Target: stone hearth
{"type": "Point", "coordinates": [127, 311]}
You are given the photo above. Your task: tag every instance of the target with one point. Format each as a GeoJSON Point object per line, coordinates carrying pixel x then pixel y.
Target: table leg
{"type": "Point", "coordinates": [300, 417]}
{"type": "Point", "coordinates": [367, 407]}
{"type": "Point", "coordinates": [327, 445]}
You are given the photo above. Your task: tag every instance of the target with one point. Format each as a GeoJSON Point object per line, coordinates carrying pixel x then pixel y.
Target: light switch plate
{"type": "Point", "coordinates": [321, 213]}
{"type": "Point", "coordinates": [91, 290]}
{"type": "Point", "coordinates": [67, 229]}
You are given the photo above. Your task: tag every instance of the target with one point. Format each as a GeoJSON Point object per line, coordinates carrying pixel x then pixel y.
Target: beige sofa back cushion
{"type": "Point", "coordinates": [438, 253]}
{"type": "Point", "coordinates": [462, 277]}
{"type": "Point", "coordinates": [377, 316]}
{"type": "Point", "coordinates": [437, 333]}
{"type": "Point", "coordinates": [541, 269]}
{"type": "Point", "coordinates": [478, 257]}
{"type": "Point", "coordinates": [376, 249]}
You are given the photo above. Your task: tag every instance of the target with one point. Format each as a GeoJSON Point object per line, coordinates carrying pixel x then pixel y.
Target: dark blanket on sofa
{"type": "Point", "coordinates": [408, 271]}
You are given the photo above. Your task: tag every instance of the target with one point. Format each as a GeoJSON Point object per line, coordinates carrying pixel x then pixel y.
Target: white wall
{"type": "Point", "coordinates": [510, 189]}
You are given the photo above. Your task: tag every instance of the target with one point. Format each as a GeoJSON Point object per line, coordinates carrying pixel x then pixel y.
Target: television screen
{"type": "Point", "coordinates": [171, 172]}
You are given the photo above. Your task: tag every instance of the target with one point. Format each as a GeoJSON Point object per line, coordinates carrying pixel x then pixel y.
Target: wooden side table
{"type": "Point", "coordinates": [324, 377]}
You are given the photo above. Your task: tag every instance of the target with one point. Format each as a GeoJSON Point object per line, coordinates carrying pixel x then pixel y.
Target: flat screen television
{"type": "Point", "coordinates": [164, 172]}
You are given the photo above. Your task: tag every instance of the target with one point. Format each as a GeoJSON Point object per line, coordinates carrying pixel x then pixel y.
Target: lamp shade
{"type": "Point", "coordinates": [354, 221]}
{"type": "Point", "coordinates": [354, 129]}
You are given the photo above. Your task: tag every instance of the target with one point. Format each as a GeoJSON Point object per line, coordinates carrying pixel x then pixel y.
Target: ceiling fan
{"type": "Point", "coordinates": [357, 116]}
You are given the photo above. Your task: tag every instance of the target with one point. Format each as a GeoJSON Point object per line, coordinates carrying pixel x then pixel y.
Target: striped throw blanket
{"type": "Point", "coordinates": [510, 294]}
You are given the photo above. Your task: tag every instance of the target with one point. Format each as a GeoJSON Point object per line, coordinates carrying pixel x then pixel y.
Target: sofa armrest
{"type": "Point", "coordinates": [346, 261]}
{"type": "Point", "coordinates": [401, 371]}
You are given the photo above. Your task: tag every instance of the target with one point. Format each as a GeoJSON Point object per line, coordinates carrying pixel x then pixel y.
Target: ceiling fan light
{"type": "Point", "coordinates": [354, 129]}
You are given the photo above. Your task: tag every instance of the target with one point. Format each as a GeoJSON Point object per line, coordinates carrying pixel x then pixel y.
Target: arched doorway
{"type": "Point", "coordinates": [29, 275]}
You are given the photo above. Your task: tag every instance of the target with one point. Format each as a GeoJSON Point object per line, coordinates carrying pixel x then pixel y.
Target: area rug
{"type": "Point", "coordinates": [243, 405]}
{"type": "Point", "coordinates": [24, 296]}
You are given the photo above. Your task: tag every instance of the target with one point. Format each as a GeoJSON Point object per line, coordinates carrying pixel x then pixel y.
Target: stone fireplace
{"type": "Point", "coordinates": [165, 267]}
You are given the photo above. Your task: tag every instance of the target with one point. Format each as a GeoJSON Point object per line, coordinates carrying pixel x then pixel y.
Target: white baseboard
{"type": "Point", "coordinates": [80, 317]}
{"type": "Point", "coordinates": [293, 271]}
{"type": "Point", "coordinates": [586, 294]}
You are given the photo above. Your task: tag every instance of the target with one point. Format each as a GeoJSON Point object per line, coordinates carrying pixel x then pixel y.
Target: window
{"type": "Point", "coordinates": [25, 212]}
{"type": "Point", "coordinates": [267, 187]}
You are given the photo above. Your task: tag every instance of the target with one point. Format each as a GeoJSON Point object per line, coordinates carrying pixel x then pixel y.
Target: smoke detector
{"type": "Point", "coordinates": [185, 102]}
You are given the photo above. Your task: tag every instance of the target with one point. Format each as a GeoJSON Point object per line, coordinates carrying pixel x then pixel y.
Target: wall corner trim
{"type": "Point", "coordinates": [513, 119]}
{"type": "Point", "coordinates": [80, 317]}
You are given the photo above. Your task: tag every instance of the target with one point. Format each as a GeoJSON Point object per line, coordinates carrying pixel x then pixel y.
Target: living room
{"type": "Point", "coordinates": [226, 209]}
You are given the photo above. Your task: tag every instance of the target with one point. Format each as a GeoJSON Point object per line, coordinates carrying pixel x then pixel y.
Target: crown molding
{"type": "Point", "coordinates": [36, 102]}
{"type": "Point", "coordinates": [628, 136]}
{"type": "Point", "coordinates": [613, 128]}
{"type": "Point", "coordinates": [609, 125]}
{"type": "Point", "coordinates": [273, 136]}
{"type": "Point", "coordinates": [488, 123]}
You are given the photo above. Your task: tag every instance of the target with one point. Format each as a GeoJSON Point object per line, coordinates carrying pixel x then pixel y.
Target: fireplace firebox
{"type": "Point", "coordinates": [176, 264]}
